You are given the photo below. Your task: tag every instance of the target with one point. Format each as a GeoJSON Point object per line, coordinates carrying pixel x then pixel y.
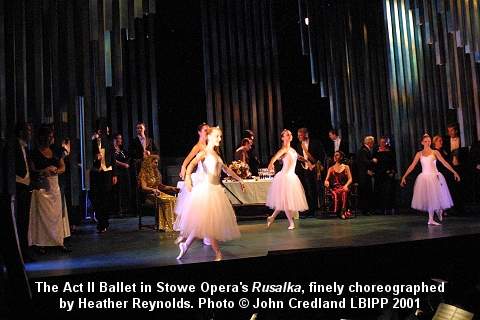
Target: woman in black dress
{"type": "Point", "coordinates": [385, 176]}
{"type": "Point", "coordinates": [121, 190]}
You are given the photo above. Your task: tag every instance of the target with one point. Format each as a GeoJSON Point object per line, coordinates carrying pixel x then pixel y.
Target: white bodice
{"type": "Point", "coordinates": [429, 164]}
{"type": "Point", "coordinates": [289, 161]}
{"type": "Point", "coordinates": [212, 168]}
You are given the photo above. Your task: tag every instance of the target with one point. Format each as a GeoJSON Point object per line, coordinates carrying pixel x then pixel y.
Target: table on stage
{"type": "Point", "coordinates": [255, 193]}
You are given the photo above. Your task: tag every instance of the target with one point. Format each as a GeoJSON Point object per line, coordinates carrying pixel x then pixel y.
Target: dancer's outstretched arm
{"type": "Point", "coordinates": [231, 173]}
{"type": "Point", "coordinates": [410, 169]}
{"type": "Point", "coordinates": [447, 165]}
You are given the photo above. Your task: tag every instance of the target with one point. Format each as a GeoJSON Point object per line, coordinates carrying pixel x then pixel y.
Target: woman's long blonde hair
{"type": "Point", "coordinates": [149, 171]}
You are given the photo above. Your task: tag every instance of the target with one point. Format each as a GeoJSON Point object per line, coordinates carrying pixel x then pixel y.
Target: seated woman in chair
{"type": "Point", "coordinates": [341, 178]}
{"type": "Point", "coordinates": [150, 182]}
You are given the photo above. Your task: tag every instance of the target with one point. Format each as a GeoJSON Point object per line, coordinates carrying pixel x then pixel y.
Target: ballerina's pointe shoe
{"type": "Point", "coordinates": [269, 221]}
{"type": "Point", "coordinates": [433, 223]}
{"type": "Point", "coordinates": [218, 257]}
{"type": "Point", "coordinates": [291, 227]}
{"type": "Point", "coordinates": [183, 249]}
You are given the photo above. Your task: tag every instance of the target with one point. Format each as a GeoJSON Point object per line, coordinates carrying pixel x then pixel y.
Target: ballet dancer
{"type": "Point", "coordinates": [286, 192]}
{"type": "Point", "coordinates": [430, 192]}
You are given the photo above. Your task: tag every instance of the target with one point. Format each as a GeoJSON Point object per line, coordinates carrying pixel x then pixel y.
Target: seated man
{"type": "Point", "coordinates": [241, 153]}
{"type": "Point", "coordinates": [341, 178]}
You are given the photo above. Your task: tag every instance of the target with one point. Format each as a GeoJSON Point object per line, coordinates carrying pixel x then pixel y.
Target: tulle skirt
{"type": "Point", "coordinates": [431, 193]}
{"type": "Point", "coordinates": [286, 193]}
{"type": "Point", "coordinates": [183, 198]}
{"type": "Point", "coordinates": [208, 214]}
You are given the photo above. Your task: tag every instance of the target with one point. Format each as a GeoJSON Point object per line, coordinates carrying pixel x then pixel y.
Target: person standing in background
{"type": "Point", "coordinates": [385, 171]}
{"type": "Point", "coordinates": [336, 144]}
{"type": "Point", "coordinates": [453, 146]}
{"type": "Point", "coordinates": [310, 153]}
{"type": "Point", "coordinates": [19, 145]}
{"type": "Point", "coordinates": [103, 174]}
{"type": "Point", "coordinates": [365, 167]}
{"type": "Point", "coordinates": [141, 146]}
{"type": "Point", "coordinates": [122, 188]}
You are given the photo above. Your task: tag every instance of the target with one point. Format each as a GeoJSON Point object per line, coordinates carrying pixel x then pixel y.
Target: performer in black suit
{"type": "Point", "coordinates": [141, 145]}
{"type": "Point", "coordinates": [336, 143]}
{"type": "Point", "coordinates": [103, 174]}
{"type": "Point", "coordinates": [457, 159]}
{"type": "Point", "coordinates": [365, 168]}
{"type": "Point", "coordinates": [308, 172]}
{"type": "Point", "coordinates": [23, 135]}
{"type": "Point", "coordinates": [15, 285]}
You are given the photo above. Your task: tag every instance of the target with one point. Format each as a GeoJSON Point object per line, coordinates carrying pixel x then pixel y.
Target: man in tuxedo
{"type": "Point", "coordinates": [23, 191]}
{"type": "Point", "coordinates": [141, 146]}
{"type": "Point", "coordinates": [456, 156]}
{"type": "Point", "coordinates": [365, 166]}
{"type": "Point", "coordinates": [103, 174]}
{"type": "Point", "coordinates": [336, 144]}
{"type": "Point", "coordinates": [312, 151]}
{"type": "Point", "coordinates": [15, 285]}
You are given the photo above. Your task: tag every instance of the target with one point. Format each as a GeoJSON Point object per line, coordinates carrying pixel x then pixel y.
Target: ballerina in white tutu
{"type": "Point", "coordinates": [430, 192]}
{"type": "Point", "coordinates": [286, 192]}
{"type": "Point", "coordinates": [208, 212]}
{"type": "Point", "coordinates": [196, 177]}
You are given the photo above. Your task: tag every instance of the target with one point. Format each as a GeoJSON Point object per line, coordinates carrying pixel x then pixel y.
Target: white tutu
{"type": "Point", "coordinates": [430, 191]}
{"type": "Point", "coordinates": [184, 195]}
{"type": "Point", "coordinates": [208, 213]}
{"type": "Point", "coordinates": [286, 191]}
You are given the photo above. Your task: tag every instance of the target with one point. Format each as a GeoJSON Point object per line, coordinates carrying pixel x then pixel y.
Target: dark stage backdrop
{"type": "Point", "coordinates": [242, 83]}
{"type": "Point", "coordinates": [126, 60]}
{"type": "Point", "coordinates": [395, 67]}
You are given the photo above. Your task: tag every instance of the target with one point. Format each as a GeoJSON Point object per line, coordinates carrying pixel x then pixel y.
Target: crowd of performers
{"type": "Point", "coordinates": [201, 210]}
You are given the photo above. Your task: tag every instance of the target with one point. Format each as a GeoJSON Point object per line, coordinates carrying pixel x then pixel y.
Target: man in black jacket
{"type": "Point", "coordinates": [312, 151]}
{"type": "Point", "coordinates": [457, 157]}
{"type": "Point", "coordinates": [23, 191]}
{"type": "Point", "coordinates": [336, 143]}
{"type": "Point", "coordinates": [103, 174]}
{"type": "Point", "coordinates": [140, 146]}
{"type": "Point", "coordinates": [365, 165]}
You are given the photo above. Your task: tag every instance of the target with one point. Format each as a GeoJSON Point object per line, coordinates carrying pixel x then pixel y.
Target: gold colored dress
{"type": "Point", "coordinates": [166, 203]}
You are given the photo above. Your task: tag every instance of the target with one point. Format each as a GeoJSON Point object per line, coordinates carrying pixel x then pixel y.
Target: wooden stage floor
{"type": "Point", "coordinates": [125, 247]}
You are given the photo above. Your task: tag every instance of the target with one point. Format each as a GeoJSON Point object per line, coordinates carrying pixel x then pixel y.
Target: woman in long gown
{"type": "Point", "coordinates": [48, 225]}
{"type": "Point", "coordinates": [208, 212]}
{"type": "Point", "coordinates": [430, 192]}
{"type": "Point", "coordinates": [286, 192]}
{"type": "Point", "coordinates": [150, 181]}
{"type": "Point", "coordinates": [196, 177]}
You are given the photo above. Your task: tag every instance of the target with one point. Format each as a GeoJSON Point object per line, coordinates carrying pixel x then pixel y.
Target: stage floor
{"type": "Point", "coordinates": [126, 247]}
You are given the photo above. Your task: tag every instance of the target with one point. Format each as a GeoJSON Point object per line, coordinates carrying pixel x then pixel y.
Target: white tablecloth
{"type": "Point", "coordinates": [256, 192]}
